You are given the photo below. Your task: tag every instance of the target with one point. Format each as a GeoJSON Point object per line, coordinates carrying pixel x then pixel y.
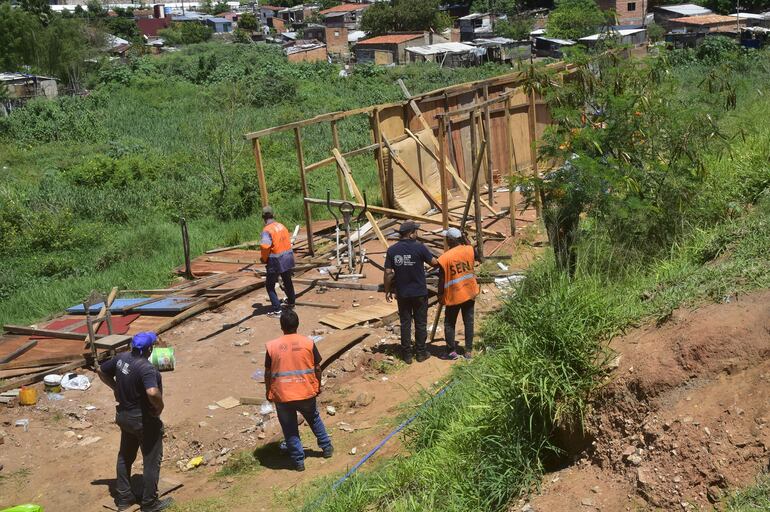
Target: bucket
{"type": "Point", "coordinates": [27, 396]}
{"type": "Point", "coordinates": [52, 383]}
{"type": "Point", "coordinates": [163, 358]}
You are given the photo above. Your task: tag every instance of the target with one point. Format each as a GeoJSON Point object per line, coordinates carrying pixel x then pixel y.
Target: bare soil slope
{"type": "Point", "coordinates": [684, 416]}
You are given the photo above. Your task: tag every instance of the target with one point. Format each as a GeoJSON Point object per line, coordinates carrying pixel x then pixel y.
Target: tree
{"type": "Point", "coordinates": [248, 21]}
{"type": "Point", "coordinates": [515, 28]}
{"type": "Point", "coordinates": [655, 32]}
{"type": "Point", "coordinates": [219, 8]}
{"type": "Point", "coordinates": [122, 27]}
{"type": "Point", "coordinates": [405, 16]}
{"type": "Point", "coordinates": [189, 32]}
{"type": "Point", "coordinates": [506, 7]}
{"type": "Point", "coordinates": [573, 19]}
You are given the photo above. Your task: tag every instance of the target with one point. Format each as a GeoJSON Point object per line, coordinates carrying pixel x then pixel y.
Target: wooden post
{"type": "Point", "coordinates": [336, 145]}
{"type": "Point", "coordinates": [475, 186]}
{"type": "Point", "coordinates": [260, 172]}
{"type": "Point", "coordinates": [487, 123]}
{"type": "Point", "coordinates": [385, 178]}
{"type": "Point", "coordinates": [511, 165]}
{"type": "Point", "coordinates": [303, 183]}
{"type": "Point", "coordinates": [532, 118]}
{"type": "Point", "coordinates": [442, 175]}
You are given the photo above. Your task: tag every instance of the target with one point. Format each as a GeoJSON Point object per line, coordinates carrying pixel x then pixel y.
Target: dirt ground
{"type": "Point", "coordinates": [683, 418]}
{"type": "Point", "coordinates": [66, 460]}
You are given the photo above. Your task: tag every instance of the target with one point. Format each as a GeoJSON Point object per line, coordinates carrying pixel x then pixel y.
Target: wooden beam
{"type": "Point", "coordinates": [19, 351]}
{"type": "Point", "coordinates": [398, 214]}
{"type": "Point", "coordinates": [45, 361]}
{"type": "Point", "coordinates": [48, 333]}
{"type": "Point", "coordinates": [303, 184]}
{"type": "Point", "coordinates": [512, 164]}
{"type": "Point", "coordinates": [487, 124]}
{"type": "Point", "coordinates": [340, 284]}
{"type": "Point", "coordinates": [336, 145]}
{"type": "Point", "coordinates": [330, 160]}
{"type": "Point", "coordinates": [102, 313]}
{"type": "Point", "coordinates": [478, 159]}
{"type": "Point", "coordinates": [384, 178]}
{"type": "Point", "coordinates": [532, 118]}
{"type": "Point", "coordinates": [260, 173]}
{"type": "Point", "coordinates": [37, 377]}
{"type": "Point", "coordinates": [442, 176]}
{"type": "Point", "coordinates": [415, 180]}
{"type": "Point", "coordinates": [357, 194]}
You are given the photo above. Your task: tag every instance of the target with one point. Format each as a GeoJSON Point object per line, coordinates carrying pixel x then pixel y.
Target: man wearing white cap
{"type": "Point", "coordinates": [139, 392]}
{"type": "Point", "coordinates": [458, 289]}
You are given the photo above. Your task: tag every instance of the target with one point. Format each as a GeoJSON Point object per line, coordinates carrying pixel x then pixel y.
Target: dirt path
{"type": "Point", "coordinates": [683, 418]}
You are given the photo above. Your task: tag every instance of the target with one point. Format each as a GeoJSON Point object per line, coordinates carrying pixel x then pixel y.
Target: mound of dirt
{"type": "Point", "coordinates": [684, 416]}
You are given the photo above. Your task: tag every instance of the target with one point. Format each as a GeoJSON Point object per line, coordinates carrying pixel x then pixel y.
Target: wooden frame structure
{"type": "Point", "coordinates": [497, 110]}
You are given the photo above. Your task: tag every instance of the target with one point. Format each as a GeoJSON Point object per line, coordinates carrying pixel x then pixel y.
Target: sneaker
{"type": "Point", "coordinates": [452, 356]}
{"type": "Point", "coordinates": [328, 452]}
{"type": "Point", "coordinates": [300, 466]}
{"type": "Point", "coordinates": [468, 354]}
{"type": "Point", "coordinates": [285, 304]}
{"type": "Point", "coordinates": [159, 505]}
{"type": "Point", "coordinates": [422, 357]}
{"type": "Point", "coordinates": [274, 314]}
{"type": "Point", "coordinates": [121, 507]}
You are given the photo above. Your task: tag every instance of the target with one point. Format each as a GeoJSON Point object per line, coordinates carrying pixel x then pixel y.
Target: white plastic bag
{"type": "Point", "coordinates": [74, 381]}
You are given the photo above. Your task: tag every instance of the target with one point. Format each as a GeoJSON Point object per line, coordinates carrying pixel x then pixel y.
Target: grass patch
{"type": "Point", "coordinates": [752, 499]}
{"type": "Point", "coordinates": [241, 463]}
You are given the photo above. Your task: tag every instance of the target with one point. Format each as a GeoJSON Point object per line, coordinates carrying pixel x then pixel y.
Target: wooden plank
{"type": "Point", "coordinates": [36, 363]}
{"type": "Point", "coordinates": [165, 486]}
{"type": "Point", "coordinates": [260, 172]}
{"type": "Point", "coordinates": [7, 374]}
{"type": "Point", "coordinates": [330, 160]}
{"type": "Point", "coordinates": [385, 179]}
{"type": "Point", "coordinates": [355, 316]}
{"type": "Point", "coordinates": [37, 377]}
{"type": "Point", "coordinates": [532, 118]}
{"type": "Point", "coordinates": [340, 176]}
{"type": "Point", "coordinates": [316, 305]}
{"type": "Point", "coordinates": [357, 194]}
{"type": "Point", "coordinates": [48, 333]}
{"type": "Point", "coordinates": [303, 185]}
{"type": "Point", "coordinates": [339, 284]}
{"type": "Point", "coordinates": [102, 314]}
{"type": "Point", "coordinates": [487, 125]}
{"type": "Point", "coordinates": [404, 215]}
{"type": "Point", "coordinates": [19, 351]}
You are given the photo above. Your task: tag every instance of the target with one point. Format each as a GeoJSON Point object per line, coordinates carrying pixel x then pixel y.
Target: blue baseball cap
{"type": "Point", "coordinates": [142, 340]}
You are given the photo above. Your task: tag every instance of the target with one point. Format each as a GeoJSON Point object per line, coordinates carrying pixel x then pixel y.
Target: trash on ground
{"type": "Point", "coordinates": [75, 381]}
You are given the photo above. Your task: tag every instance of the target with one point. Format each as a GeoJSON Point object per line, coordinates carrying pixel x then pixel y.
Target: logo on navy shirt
{"type": "Point", "coordinates": [404, 260]}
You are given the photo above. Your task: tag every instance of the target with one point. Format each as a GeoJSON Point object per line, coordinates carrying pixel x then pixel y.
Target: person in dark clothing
{"type": "Point", "coordinates": [405, 273]}
{"type": "Point", "coordinates": [138, 390]}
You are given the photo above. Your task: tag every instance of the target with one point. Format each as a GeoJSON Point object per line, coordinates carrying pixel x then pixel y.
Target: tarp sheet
{"type": "Point", "coordinates": [168, 305]}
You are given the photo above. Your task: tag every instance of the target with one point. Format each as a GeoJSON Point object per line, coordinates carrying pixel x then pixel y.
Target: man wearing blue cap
{"type": "Point", "coordinates": [139, 392]}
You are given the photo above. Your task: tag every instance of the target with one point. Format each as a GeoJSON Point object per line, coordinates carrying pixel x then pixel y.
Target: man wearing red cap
{"type": "Point", "coordinates": [139, 392]}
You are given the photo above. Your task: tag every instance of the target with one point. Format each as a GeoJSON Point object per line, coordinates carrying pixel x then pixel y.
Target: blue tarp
{"type": "Point", "coordinates": [169, 305]}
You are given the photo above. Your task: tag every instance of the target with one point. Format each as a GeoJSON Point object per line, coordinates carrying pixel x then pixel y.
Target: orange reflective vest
{"type": "Point", "coordinates": [292, 369]}
{"type": "Point", "coordinates": [459, 280]}
{"type": "Point", "coordinates": [276, 247]}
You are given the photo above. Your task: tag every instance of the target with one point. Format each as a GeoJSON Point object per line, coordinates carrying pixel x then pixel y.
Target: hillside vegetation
{"type": "Point", "coordinates": [701, 234]}
{"type": "Point", "coordinates": [92, 187]}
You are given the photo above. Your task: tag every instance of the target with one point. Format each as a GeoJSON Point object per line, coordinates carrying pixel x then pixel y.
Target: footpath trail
{"type": "Point", "coordinates": [683, 418]}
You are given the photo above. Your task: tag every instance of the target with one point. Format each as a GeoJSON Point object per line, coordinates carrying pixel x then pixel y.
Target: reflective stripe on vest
{"type": "Point", "coordinates": [273, 255]}
{"type": "Point", "coordinates": [293, 372]}
{"type": "Point", "coordinates": [459, 280]}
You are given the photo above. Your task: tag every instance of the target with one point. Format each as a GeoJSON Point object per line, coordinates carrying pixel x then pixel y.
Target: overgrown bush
{"type": "Point", "coordinates": [67, 118]}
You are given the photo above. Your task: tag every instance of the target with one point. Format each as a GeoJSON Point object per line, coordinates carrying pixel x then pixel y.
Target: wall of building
{"type": "Point", "coordinates": [319, 54]}
{"type": "Point", "coordinates": [337, 41]}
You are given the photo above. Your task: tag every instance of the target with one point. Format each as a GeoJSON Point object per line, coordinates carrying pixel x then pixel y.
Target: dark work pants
{"type": "Point", "coordinates": [287, 417]}
{"type": "Point", "coordinates": [145, 433]}
{"type": "Point", "coordinates": [450, 319]}
{"type": "Point", "coordinates": [271, 280]}
{"type": "Point", "coordinates": [413, 308]}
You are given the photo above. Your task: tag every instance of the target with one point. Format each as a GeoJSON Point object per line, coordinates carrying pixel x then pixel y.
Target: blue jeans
{"type": "Point", "coordinates": [271, 280]}
{"type": "Point", "coordinates": [287, 417]}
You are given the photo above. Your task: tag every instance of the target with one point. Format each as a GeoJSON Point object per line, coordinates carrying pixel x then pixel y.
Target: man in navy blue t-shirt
{"type": "Point", "coordinates": [138, 390]}
{"type": "Point", "coordinates": [405, 272]}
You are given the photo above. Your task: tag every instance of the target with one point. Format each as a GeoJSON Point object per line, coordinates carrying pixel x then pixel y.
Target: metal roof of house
{"type": "Point", "coordinates": [271, 7]}
{"type": "Point", "coordinates": [708, 19]}
{"type": "Point", "coordinates": [356, 35]}
{"type": "Point", "coordinates": [620, 32]}
{"type": "Point", "coordinates": [686, 9]}
{"type": "Point", "coordinates": [304, 46]}
{"type": "Point", "coordinates": [433, 49]}
{"type": "Point", "coordinates": [537, 32]}
{"type": "Point", "coordinates": [344, 8]}
{"type": "Point", "coordinates": [9, 77]}
{"type": "Point", "coordinates": [392, 38]}
{"type": "Point", "coordinates": [747, 16]}
{"type": "Point", "coordinates": [219, 20]}
{"type": "Point", "coordinates": [474, 16]}
{"type": "Point", "coordinates": [492, 41]}
{"type": "Point", "coordinates": [562, 42]}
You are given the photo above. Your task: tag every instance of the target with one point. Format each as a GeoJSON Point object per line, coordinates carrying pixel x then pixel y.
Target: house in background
{"type": "Point", "coordinates": [551, 47]}
{"type": "Point", "coordinates": [306, 51]}
{"type": "Point", "coordinates": [267, 13]}
{"type": "Point", "coordinates": [629, 13]}
{"type": "Point", "coordinates": [475, 26]}
{"type": "Point", "coordinates": [391, 48]}
{"type": "Point", "coordinates": [706, 23]}
{"type": "Point", "coordinates": [220, 25]}
{"type": "Point", "coordinates": [752, 20]}
{"type": "Point", "coordinates": [663, 14]}
{"type": "Point", "coordinates": [450, 55]}
{"type": "Point", "coordinates": [503, 49]}
{"type": "Point", "coordinates": [344, 15]}
{"type": "Point", "coordinates": [22, 87]}
{"type": "Point", "coordinates": [293, 17]}
{"type": "Point", "coordinates": [149, 27]}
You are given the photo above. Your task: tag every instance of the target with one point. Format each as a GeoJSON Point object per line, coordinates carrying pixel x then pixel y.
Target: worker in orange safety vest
{"type": "Point", "coordinates": [277, 253]}
{"type": "Point", "coordinates": [458, 289]}
{"type": "Point", "coordinates": [292, 382]}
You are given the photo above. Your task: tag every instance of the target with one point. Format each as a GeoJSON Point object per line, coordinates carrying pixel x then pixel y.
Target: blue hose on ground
{"type": "Point", "coordinates": [380, 445]}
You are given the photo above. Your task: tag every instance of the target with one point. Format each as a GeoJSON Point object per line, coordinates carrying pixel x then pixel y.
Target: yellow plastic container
{"type": "Point", "coordinates": [27, 396]}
